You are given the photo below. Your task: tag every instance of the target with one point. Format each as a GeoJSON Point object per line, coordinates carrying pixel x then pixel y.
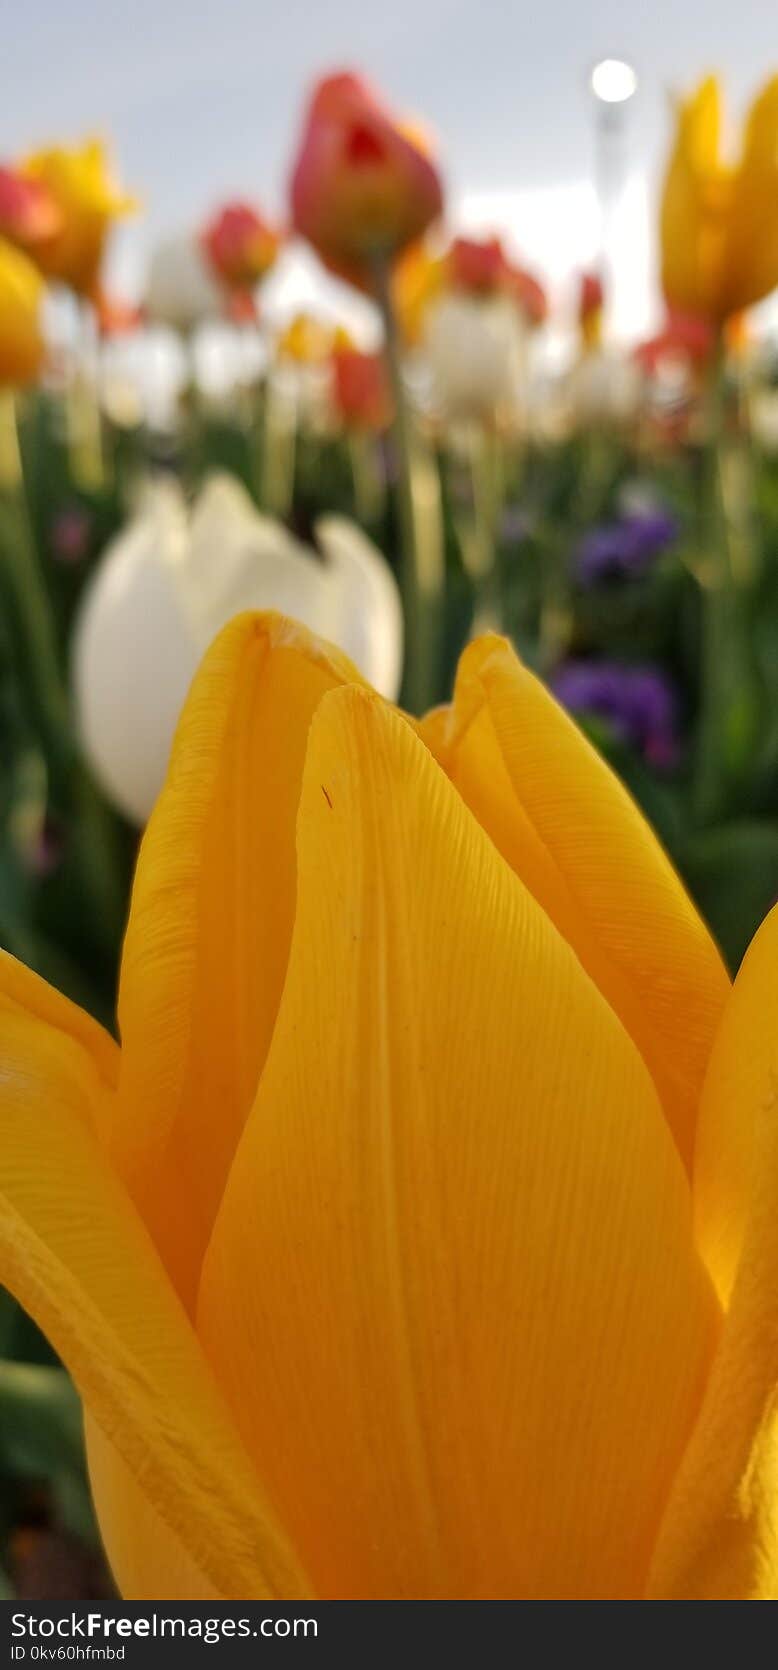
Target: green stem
{"type": "Point", "coordinates": [83, 413]}
{"type": "Point", "coordinates": [727, 712]}
{"type": "Point", "coordinates": [44, 696]}
{"type": "Point", "coordinates": [279, 450]}
{"type": "Point", "coordinates": [366, 477]}
{"type": "Point", "coordinates": [421, 566]}
{"type": "Point", "coordinates": [33, 637]}
{"type": "Point", "coordinates": [555, 624]}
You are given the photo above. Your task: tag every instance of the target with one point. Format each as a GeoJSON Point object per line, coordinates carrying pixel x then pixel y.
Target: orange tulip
{"type": "Point", "coordinates": [421, 1237]}
{"type": "Point", "coordinates": [362, 188]}
{"type": "Point", "coordinates": [240, 246]}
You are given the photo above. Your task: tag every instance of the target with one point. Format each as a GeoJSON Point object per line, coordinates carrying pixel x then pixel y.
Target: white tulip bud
{"type": "Point", "coordinates": [603, 387]}
{"type": "Point", "coordinates": [475, 348]}
{"type": "Point", "coordinates": [165, 587]}
{"type": "Point", "coordinates": [181, 291]}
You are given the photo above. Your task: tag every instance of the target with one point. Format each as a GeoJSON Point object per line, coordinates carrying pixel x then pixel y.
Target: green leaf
{"type": "Point", "coordinates": [41, 1439]}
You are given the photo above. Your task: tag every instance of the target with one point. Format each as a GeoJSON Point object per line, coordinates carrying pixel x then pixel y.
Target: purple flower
{"type": "Point", "coordinates": [627, 547]}
{"type": "Point", "coordinates": [637, 703]}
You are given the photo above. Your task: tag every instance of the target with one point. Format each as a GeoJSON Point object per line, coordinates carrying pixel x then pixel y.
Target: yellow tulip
{"type": "Point", "coordinates": [421, 1239]}
{"type": "Point", "coordinates": [81, 187]}
{"type": "Point", "coordinates": [719, 223]}
{"type": "Point", "coordinates": [418, 281]}
{"type": "Point", "coordinates": [306, 340]}
{"type": "Point", "coordinates": [21, 295]}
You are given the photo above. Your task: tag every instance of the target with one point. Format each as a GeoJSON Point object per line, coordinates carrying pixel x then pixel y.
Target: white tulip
{"type": "Point", "coordinates": [181, 291]}
{"type": "Point", "coordinates": [475, 347]}
{"type": "Point", "coordinates": [167, 584]}
{"type": "Point", "coordinates": [371, 625]}
{"type": "Point", "coordinates": [763, 408]}
{"type": "Point", "coordinates": [603, 387]}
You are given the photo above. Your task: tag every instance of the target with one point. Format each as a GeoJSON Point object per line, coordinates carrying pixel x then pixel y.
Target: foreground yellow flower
{"type": "Point", "coordinates": [89, 201]}
{"type": "Point", "coordinates": [21, 297]}
{"type": "Point", "coordinates": [719, 223]}
{"type": "Point", "coordinates": [421, 1239]}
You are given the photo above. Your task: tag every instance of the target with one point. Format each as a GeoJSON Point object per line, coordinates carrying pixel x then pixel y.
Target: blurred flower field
{"type": "Point", "coordinates": [400, 491]}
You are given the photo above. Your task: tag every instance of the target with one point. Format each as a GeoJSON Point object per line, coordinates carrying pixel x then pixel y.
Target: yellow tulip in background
{"type": "Point", "coordinates": [719, 222]}
{"type": "Point", "coordinates": [421, 1238]}
{"type": "Point", "coordinates": [21, 297]}
{"type": "Point", "coordinates": [79, 183]}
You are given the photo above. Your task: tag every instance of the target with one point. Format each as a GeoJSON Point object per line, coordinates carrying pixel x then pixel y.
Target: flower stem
{"type": "Point", "coordinates": [32, 636]}
{"type": "Point", "coordinates": [278, 449]}
{"type": "Point", "coordinates": [421, 568]}
{"type": "Point", "coordinates": [83, 415]}
{"type": "Point", "coordinates": [44, 697]}
{"type": "Point", "coordinates": [728, 713]}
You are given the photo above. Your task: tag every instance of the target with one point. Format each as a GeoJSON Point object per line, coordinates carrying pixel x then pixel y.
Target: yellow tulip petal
{"type": "Point", "coordinates": [700, 126]}
{"type": "Point", "coordinates": [752, 255]}
{"type": "Point", "coordinates": [210, 924]}
{"type": "Point", "coordinates": [696, 200]}
{"type": "Point", "coordinates": [451, 1291]}
{"type": "Point", "coordinates": [742, 1075]}
{"type": "Point", "coordinates": [21, 989]}
{"type": "Point", "coordinates": [565, 823]}
{"type": "Point", "coordinates": [151, 1562]}
{"type": "Point", "coordinates": [75, 1254]}
{"type": "Point", "coordinates": [720, 1537]}
{"type": "Point", "coordinates": [22, 348]}
{"type": "Point", "coordinates": [79, 180]}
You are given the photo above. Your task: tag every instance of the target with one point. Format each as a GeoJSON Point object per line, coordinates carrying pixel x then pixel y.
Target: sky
{"type": "Point", "coordinates": [204, 101]}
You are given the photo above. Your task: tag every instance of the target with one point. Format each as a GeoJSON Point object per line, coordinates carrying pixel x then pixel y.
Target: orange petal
{"type": "Point", "coordinates": [720, 1536]}
{"type": "Point", "coordinates": [210, 923]}
{"type": "Point", "coordinates": [567, 826]}
{"type": "Point", "coordinates": [451, 1290]}
{"type": "Point", "coordinates": [74, 1252]}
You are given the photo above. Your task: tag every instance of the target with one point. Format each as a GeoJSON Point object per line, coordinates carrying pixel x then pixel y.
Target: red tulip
{"type": "Point", "coordinates": [591, 295]}
{"type": "Point", "coordinates": [683, 336]}
{"type": "Point", "coordinates": [241, 308]}
{"type": "Point", "coordinates": [116, 317]}
{"type": "Point", "coordinates": [360, 389]}
{"type": "Point", "coordinates": [476, 264]}
{"type": "Point", "coordinates": [529, 293]}
{"type": "Point", "coordinates": [362, 188]}
{"type": "Point", "coordinates": [239, 245]}
{"type": "Point", "coordinates": [591, 299]}
{"type": "Point", "coordinates": [28, 212]}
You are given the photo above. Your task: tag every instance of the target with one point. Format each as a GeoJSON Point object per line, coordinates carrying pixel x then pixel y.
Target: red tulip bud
{"type": "Point", "coordinates": [360, 389]}
{"type": "Point", "coordinates": [528, 292]}
{"type": "Point", "coordinates": [476, 264]}
{"type": "Point", "coordinates": [362, 188]}
{"type": "Point", "coordinates": [239, 245]}
{"type": "Point", "coordinates": [591, 295]}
